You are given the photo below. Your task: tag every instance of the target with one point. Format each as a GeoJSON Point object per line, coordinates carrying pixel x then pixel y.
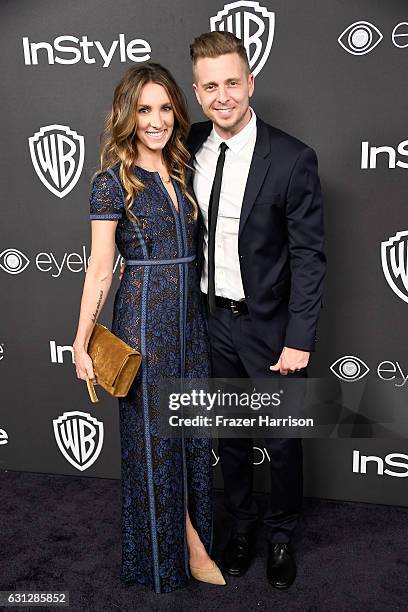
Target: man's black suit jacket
{"type": "Point", "coordinates": [280, 241]}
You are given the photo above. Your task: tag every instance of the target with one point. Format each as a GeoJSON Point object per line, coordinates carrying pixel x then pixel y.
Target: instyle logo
{"type": "Point", "coordinates": [84, 50]}
{"type": "Point", "coordinates": [3, 437]}
{"type": "Point", "coordinates": [253, 24]}
{"type": "Point", "coordinates": [14, 261]}
{"type": "Point", "coordinates": [362, 37]}
{"type": "Point", "coordinates": [57, 352]}
{"type": "Point", "coordinates": [388, 155]}
{"type": "Point", "coordinates": [58, 154]}
{"type": "Point", "coordinates": [350, 368]}
{"type": "Point", "coordinates": [79, 437]}
{"type": "Point", "coordinates": [394, 260]}
{"type": "Point", "coordinates": [394, 460]}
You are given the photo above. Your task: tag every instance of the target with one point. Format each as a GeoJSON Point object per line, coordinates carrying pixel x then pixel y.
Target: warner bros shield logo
{"type": "Point", "coordinates": [79, 437]}
{"type": "Point", "coordinates": [394, 257]}
{"type": "Point", "coordinates": [58, 154]}
{"type": "Point", "coordinates": [254, 24]}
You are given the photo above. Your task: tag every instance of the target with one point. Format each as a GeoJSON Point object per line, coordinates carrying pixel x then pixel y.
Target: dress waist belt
{"type": "Point", "coordinates": [159, 262]}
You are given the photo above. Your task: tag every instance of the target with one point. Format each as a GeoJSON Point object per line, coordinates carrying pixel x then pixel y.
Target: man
{"type": "Point", "coordinates": [263, 265]}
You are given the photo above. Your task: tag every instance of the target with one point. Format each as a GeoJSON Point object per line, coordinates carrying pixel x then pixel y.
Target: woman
{"type": "Point", "coordinates": [139, 199]}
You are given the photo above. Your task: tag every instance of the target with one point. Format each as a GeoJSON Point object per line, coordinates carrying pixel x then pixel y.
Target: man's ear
{"type": "Point", "coordinates": [251, 84]}
{"type": "Point", "coordinates": [196, 93]}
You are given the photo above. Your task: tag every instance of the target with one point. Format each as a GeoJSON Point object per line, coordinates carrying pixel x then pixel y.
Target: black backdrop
{"type": "Point", "coordinates": [330, 72]}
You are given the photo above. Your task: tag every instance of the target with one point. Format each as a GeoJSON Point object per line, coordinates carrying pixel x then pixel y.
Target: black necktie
{"type": "Point", "coordinates": [212, 225]}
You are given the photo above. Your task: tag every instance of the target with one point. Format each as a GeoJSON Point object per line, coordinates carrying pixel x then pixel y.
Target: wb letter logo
{"type": "Point", "coordinates": [254, 24]}
{"type": "Point", "coordinates": [394, 257]}
{"type": "Point", "coordinates": [79, 437]}
{"type": "Point", "coordinates": [57, 153]}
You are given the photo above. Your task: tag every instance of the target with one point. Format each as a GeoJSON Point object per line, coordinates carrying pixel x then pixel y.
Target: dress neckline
{"type": "Point", "coordinates": [145, 170]}
{"type": "Point", "coordinates": [162, 185]}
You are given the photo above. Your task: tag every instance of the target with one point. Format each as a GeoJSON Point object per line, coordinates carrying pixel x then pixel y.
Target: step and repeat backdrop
{"type": "Point", "coordinates": [332, 73]}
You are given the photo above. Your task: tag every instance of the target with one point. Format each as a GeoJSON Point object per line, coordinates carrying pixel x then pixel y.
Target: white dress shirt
{"type": "Point", "coordinates": [238, 157]}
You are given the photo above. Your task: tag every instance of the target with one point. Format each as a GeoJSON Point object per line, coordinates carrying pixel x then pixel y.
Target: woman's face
{"type": "Point", "coordinates": [155, 118]}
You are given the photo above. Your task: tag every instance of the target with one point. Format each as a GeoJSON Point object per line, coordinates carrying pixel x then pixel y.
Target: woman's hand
{"type": "Point", "coordinates": [83, 364]}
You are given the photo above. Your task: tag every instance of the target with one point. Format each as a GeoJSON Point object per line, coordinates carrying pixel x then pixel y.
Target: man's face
{"type": "Point", "coordinates": [223, 88]}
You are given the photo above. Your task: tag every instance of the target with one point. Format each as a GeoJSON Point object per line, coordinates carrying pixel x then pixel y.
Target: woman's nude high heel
{"type": "Point", "coordinates": [212, 576]}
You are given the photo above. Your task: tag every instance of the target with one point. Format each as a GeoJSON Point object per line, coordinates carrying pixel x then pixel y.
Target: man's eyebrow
{"type": "Point", "coordinates": [226, 81]}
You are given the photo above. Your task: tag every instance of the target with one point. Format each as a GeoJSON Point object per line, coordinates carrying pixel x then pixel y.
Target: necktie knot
{"type": "Point", "coordinates": [223, 147]}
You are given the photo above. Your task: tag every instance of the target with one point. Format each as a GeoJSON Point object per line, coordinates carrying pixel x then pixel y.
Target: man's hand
{"type": "Point", "coordinates": [290, 360]}
{"type": "Point", "coordinates": [122, 269]}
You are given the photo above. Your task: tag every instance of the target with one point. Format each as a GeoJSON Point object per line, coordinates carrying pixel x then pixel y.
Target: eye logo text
{"type": "Point", "coordinates": [351, 368]}
{"type": "Point", "coordinates": [14, 261]}
{"type": "Point", "coordinates": [361, 37]}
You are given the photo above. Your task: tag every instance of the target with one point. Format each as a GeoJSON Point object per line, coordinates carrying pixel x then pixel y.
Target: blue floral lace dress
{"type": "Point", "coordinates": [158, 311]}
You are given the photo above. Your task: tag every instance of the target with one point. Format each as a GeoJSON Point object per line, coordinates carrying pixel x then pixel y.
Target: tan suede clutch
{"type": "Point", "coordinates": [115, 363]}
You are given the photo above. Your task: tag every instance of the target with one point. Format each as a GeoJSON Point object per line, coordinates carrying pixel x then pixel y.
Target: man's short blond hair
{"type": "Point", "coordinates": [214, 44]}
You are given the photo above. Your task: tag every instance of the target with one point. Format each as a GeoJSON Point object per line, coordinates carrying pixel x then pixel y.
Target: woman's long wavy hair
{"type": "Point", "coordinates": [119, 141]}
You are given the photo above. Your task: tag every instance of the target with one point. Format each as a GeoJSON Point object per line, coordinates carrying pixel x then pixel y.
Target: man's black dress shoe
{"type": "Point", "coordinates": [281, 567]}
{"type": "Point", "coordinates": [238, 554]}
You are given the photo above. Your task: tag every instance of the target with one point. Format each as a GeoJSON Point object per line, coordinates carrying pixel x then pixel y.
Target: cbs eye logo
{"type": "Point", "coordinates": [360, 38]}
{"type": "Point", "coordinates": [13, 261]}
{"type": "Point", "coordinates": [349, 368]}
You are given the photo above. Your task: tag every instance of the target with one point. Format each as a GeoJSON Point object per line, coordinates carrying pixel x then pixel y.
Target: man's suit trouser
{"type": "Point", "coordinates": [237, 351]}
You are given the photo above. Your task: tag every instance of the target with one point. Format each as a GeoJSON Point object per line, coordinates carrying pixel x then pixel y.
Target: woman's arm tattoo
{"type": "Point", "coordinates": [98, 305]}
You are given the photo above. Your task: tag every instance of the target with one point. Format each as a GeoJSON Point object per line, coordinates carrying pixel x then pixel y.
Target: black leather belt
{"type": "Point", "coordinates": [236, 307]}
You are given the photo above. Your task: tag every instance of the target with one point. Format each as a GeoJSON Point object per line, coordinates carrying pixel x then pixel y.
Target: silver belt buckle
{"type": "Point", "coordinates": [234, 308]}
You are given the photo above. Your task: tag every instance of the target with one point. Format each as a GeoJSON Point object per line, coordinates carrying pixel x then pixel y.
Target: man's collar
{"type": "Point", "coordinates": [237, 142]}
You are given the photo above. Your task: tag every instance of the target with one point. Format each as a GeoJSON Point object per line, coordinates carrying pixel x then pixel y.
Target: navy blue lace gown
{"type": "Point", "coordinates": [158, 311]}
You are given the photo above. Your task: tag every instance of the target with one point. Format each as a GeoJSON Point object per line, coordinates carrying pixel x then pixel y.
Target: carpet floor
{"type": "Point", "coordinates": [63, 533]}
